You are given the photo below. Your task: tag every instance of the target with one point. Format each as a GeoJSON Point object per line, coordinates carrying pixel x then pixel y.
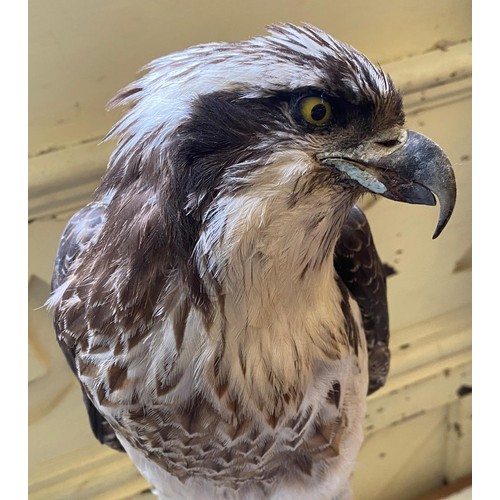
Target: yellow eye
{"type": "Point", "coordinates": [315, 110]}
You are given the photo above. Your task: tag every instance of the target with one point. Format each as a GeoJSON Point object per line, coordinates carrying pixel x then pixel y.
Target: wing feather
{"type": "Point", "coordinates": [360, 268]}
{"type": "Point", "coordinates": [80, 232]}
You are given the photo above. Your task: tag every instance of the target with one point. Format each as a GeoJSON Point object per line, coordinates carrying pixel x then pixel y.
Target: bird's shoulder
{"type": "Point", "coordinates": [80, 232]}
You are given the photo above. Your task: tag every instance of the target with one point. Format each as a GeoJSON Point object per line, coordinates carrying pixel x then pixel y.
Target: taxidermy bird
{"type": "Point", "coordinates": [221, 300]}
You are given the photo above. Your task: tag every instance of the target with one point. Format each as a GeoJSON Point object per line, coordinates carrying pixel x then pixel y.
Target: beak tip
{"type": "Point", "coordinates": [437, 232]}
{"type": "Point", "coordinates": [445, 215]}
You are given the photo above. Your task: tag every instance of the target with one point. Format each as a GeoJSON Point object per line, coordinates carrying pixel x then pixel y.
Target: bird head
{"type": "Point", "coordinates": [294, 115]}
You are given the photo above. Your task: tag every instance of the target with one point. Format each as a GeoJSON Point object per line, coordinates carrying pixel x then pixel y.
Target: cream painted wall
{"type": "Point", "coordinates": [81, 53]}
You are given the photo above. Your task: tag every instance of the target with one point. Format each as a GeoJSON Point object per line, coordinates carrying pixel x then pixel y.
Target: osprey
{"type": "Point", "coordinates": [221, 300]}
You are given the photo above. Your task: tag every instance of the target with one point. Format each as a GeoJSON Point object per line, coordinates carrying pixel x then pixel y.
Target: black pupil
{"type": "Point", "coordinates": [318, 112]}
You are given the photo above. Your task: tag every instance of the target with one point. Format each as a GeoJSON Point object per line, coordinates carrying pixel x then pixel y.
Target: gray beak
{"type": "Point", "coordinates": [424, 169]}
{"type": "Point", "coordinates": [413, 173]}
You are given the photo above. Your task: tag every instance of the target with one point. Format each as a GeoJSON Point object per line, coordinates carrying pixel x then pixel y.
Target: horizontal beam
{"type": "Point", "coordinates": [430, 362]}
{"type": "Point", "coordinates": [432, 69]}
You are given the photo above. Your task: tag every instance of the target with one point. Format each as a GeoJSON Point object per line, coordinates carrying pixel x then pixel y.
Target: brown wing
{"type": "Point", "coordinates": [79, 233]}
{"type": "Point", "coordinates": [359, 266]}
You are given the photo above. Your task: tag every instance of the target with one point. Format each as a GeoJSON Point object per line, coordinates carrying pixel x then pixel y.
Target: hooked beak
{"type": "Point", "coordinates": [413, 173]}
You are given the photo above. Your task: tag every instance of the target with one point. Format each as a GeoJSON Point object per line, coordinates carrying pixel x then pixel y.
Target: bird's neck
{"type": "Point", "coordinates": [279, 305]}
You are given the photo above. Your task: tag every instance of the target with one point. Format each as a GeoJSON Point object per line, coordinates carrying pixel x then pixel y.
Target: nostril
{"type": "Point", "coordinates": [389, 144]}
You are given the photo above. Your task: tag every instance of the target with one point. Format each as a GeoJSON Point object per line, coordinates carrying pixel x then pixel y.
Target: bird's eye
{"type": "Point", "coordinates": [315, 110]}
